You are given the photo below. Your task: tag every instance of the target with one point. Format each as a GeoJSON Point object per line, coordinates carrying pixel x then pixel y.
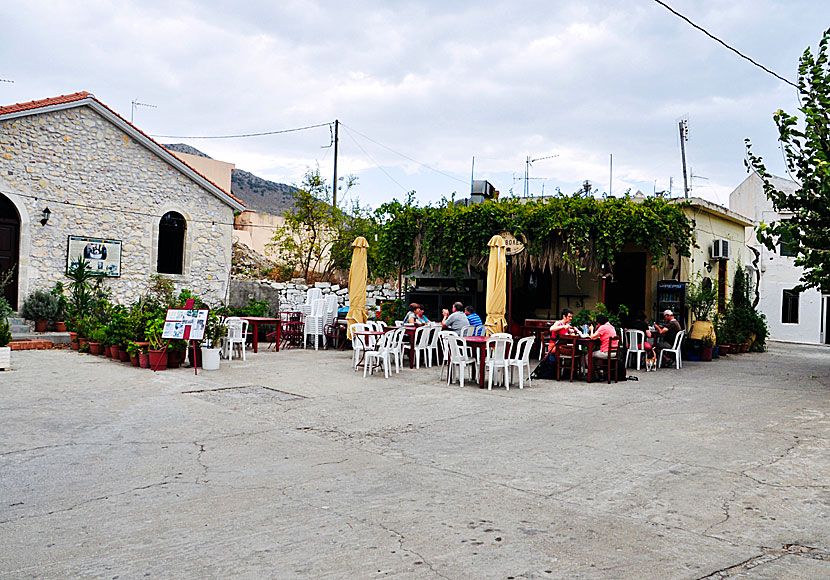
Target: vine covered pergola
{"type": "Point", "coordinates": [574, 233]}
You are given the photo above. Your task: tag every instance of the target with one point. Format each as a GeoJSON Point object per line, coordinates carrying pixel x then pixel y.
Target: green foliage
{"type": "Point", "coordinates": [98, 335]}
{"type": "Point", "coordinates": [742, 320]}
{"type": "Point", "coordinates": [5, 332]}
{"type": "Point", "coordinates": [155, 329]}
{"type": "Point", "coordinates": [807, 155]}
{"type": "Point", "coordinates": [253, 308]}
{"type": "Point", "coordinates": [391, 311]}
{"type": "Point", "coordinates": [40, 305]}
{"type": "Point", "coordinates": [214, 330]}
{"type": "Point", "coordinates": [587, 316]}
{"type": "Point", "coordinates": [118, 329]}
{"type": "Point", "coordinates": [63, 303]}
{"type": "Point", "coordinates": [5, 308]}
{"type": "Point", "coordinates": [572, 232]}
{"type": "Point", "coordinates": [701, 296]}
{"type": "Point", "coordinates": [315, 232]}
{"type": "Point", "coordinates": [81, 294]}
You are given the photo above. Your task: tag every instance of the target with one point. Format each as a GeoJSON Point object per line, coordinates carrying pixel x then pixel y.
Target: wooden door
{"type": "Point", "coordinates": [9, 244]}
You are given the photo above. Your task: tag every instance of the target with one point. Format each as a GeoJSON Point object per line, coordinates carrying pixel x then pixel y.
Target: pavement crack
{"type": "Point", "coordinates": [401, 539]}
{"type": "Point", "coordinates": [204, 467]}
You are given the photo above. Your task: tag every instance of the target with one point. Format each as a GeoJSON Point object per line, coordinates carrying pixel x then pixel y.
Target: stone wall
{"type": "Point", "coordinates": [293, 294]}
{"type": "Point", "coordinates": [99, 182]}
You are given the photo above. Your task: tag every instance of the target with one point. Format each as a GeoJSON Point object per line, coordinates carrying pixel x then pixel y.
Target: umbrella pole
{"type": "Point", "coordinates": [509, 291]}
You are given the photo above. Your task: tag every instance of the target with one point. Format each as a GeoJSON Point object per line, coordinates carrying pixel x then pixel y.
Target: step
{"type": "Point", "coordinates": [17, 320]}
{"type": "Point", "coordinates": [31, 344]}
{"type": "Point", "coordinates": [51, 337]}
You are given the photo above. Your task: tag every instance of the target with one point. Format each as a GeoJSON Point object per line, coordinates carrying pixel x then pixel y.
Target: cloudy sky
{"type": "Point", "coordinates": [423, 87]}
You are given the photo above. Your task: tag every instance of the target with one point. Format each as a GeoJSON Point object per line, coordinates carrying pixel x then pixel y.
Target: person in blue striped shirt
{"type": "Point", "coordinates": [472, 317]}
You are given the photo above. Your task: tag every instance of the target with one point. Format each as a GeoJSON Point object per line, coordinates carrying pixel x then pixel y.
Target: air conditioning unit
{"type": "Point", "coordinates": [719, 250]}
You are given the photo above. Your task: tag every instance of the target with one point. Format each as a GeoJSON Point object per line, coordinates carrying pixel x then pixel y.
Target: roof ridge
{"type": "Point", "coordinates": [60, 100]}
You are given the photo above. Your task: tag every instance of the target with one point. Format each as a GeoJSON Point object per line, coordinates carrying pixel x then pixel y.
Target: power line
{"type": "Point", "coordinates": [242, 135]}
{"type": "Point", "coordinates": [403, 155]}
{"type": "Point", "coordinates": [366, 153]}
{"type": "Point", "coordinates": [718, 40]}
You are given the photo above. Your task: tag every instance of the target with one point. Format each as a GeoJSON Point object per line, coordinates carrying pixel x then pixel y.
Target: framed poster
{"type": "Point", "coordinates": [103, 257]}
{"type": "Point", "coordinates": [185, 324]}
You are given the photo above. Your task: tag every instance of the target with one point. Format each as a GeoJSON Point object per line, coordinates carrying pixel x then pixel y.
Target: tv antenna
{"type": "Point", "coordinates": [6, 81]}
{"type": "Point", "coordinates": [135, 104]}
{"type": "Point", "coordinates": [527, 177]}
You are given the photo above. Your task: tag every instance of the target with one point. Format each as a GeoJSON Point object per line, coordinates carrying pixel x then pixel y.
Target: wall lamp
{"type": "Point", "coordinates": [44, 216]}
{"type": "Point", "coordinates": [708, 267]}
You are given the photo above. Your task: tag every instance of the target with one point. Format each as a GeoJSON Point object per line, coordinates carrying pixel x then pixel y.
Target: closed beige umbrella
{"type": "Point", "coordinates": [496, 287]}
{"type": "Point", "coordinates": [357, 284]}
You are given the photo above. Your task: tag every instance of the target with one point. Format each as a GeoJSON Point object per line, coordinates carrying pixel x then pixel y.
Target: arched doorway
{"type": "Point", "coordinates": [9, 248]}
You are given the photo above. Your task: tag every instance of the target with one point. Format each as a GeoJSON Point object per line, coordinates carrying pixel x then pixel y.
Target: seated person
{"type": "Point", "coordinates": [472, 317]}
{"type": "Point", "coordinates": [456, 320]}
{"type": "Point", "coordinates": [412, 315]}
{"type": "Point", "coordinates": [641, 325]}
{"type": "Point", "coordinates": [605, 332]}
{"type": "Point", "coordinates": [668, 331]}
{"type": "Point", "coordinates": [561, 328]}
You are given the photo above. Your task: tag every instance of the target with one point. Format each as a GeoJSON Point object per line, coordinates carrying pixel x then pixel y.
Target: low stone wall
{"type": "Point", "coordinates": [290, 295]}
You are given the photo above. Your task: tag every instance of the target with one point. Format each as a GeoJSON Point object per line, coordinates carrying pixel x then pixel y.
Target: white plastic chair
{"type": "Point", "coordinates": [383, 354]}
{"type": "Point", "coordinates": [675, 350]}
{"type": "Point", "coordinates": [314, 323]}
{"type": "Point", "coordinates": [497, 352]}
{"type": "Point", "coordinates": [521, 360]}
{"type": "Point", "coordinates": [235, 337]}
{"type": "Point", "coordinates": [468, 330]}
{"type": "Point", "coordinates": [360, 343]}
{"type": "Point", "coordinates": [459, 358]}
{"type": "Point", "coordinates": [423, 345]}
{"type": "Point", "coordinates": [311, 295]}
{"type": "Point", "coordinates": [399, 323]}
{"type": "Point", "coordinates": [398, 343]}
{"type": "Point", "coordinates": [634, 339]}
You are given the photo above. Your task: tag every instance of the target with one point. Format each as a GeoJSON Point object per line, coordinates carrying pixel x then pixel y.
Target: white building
{"type": "Point", "coordinates": [801, 317]}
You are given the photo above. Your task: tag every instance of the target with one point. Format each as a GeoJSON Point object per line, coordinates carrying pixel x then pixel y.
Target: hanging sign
{"type": "Point", "coordinates": [512, 245]}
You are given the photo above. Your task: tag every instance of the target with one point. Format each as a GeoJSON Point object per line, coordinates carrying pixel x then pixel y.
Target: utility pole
{"type": "Point", "coordinates": [336, 141]}
{"type": "Point", "coordinates": [610, 173]}
{"type": "Point", "coordinates": [684, 136]}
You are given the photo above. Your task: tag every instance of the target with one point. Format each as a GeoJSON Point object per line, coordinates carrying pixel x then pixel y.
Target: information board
{"type": "Point", "coordinates": [185, 324]}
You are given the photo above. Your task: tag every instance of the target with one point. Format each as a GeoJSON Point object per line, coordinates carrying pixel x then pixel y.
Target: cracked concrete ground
{"type": "Point", "coordinates": [290, 465]}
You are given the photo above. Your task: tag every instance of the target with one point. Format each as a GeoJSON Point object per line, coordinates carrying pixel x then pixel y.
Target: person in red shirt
{"type": "Point", "coordinates": [605, 332]}
{"type": "Point", "coordinates": [561, 328]}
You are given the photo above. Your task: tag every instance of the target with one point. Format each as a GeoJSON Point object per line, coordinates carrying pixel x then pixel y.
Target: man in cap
{"type": "Point", "coordinates": [668, 331]}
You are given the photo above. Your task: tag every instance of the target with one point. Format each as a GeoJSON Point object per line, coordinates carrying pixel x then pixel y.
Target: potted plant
{"type": "Point", "coordinates": [96, 341]}
{"type": "Point", "coordinates": [133, 351]}
{"type": "Point", "coordinates": [63, 303]}
{"type": "Point", "coordinates": [40, 306]}
{"type": "Point", "coordinates": [156, 350]}
{"type": "Point", "coordinates": [5, 339]}
{"type": "Point", "coordinates": [701, 296]}
{"type": "Point", "coordinates": [214, 331]}
{"type": "Point", "coordinates": [176, 351]}
{"type": "Point", "coordinates": [706, 345]}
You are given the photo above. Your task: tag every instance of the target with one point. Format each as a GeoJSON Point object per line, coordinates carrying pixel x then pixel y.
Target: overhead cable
{"type": "Point", "coordinates": [719, 41]}
{"type": "Point", "coordinates": [242, 135]}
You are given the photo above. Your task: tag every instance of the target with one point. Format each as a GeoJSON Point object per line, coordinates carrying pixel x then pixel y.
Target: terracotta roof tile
{"type": "Point", "coordinates": [45, 102]}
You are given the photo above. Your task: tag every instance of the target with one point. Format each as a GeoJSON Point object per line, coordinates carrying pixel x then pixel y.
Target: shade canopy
{"type": "Point", "coordinates": [496, 287]}
{"type": "Point", "coordinates": [357, 284]}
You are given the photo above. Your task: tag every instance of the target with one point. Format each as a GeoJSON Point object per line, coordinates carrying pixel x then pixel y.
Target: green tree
{"type": "Point", "coordinates": [807, 154]}
{"type": "Point", "coordinates": [312, 227]}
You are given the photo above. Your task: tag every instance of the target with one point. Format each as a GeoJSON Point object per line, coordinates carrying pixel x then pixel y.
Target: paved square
{"type": "Point", "coordinates": [291, 465]}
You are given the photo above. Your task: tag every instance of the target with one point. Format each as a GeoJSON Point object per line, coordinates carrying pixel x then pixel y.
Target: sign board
{"type": "Point", "coordinates": [185, 324]}
{"type": "Point", "coordinates": [103, 257]}
{"type": "Point", "coordinates": [512, 246]}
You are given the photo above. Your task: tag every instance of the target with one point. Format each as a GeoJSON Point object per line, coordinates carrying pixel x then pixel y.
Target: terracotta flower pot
{"type": "Point", "coordinates": [96, 348]}
{"type": "Point", "coordinates": [158, 359]}
{"type": "Point", "coordinates": [73, 337]}
{"type": "Point", "coordinates": [60, 326]}
{"type": "Point", "coordinates": [144, 360]}
{"type": "Point", "coordinates": [123, 355]}
{"type": "Point", "coordinates": [83, 340]}
{"type": "Point", "coordinates": [75, 345]}
{"type": "Point", "coordinates": [174, 358]}
{"type": "Point", "coordinates": [108, 351]}
{"type": "Point", "coordinates": [134, 360]}
{"type": "Point", "coordinates": [723, 349]}
{"type": "Point", "coordinates": [40, 326]}
{"type": "Point", "coordinates": [706, 354]}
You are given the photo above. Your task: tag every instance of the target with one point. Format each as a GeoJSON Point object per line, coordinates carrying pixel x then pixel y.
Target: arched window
{"type": "Point", "coordinates": [172, 228]}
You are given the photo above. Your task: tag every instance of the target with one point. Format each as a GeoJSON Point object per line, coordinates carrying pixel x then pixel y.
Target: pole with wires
{"type": "Point", "coordinates": [334, 184]}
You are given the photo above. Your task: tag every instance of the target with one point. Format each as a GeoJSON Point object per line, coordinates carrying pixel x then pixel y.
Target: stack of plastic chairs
{"type": "Point", "coordinates": [312, 295]}
{"type": "Point", "coordinates": [314, 323]}
{"type": "Point", "coordinates": [329, 318]}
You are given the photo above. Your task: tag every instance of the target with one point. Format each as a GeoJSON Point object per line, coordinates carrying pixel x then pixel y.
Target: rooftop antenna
{"type": "Point", "coordinates": [6, 81]}
{"type": "Point", "coordinates": [692, 178]}
{"type": "Point", "coordinates": [135, 104]}
{"type": "Point", "coordinates": [527, 178]}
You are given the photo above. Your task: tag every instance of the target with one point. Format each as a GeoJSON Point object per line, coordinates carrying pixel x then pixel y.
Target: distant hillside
{"type": "Point", "coordinates": [256, 193]}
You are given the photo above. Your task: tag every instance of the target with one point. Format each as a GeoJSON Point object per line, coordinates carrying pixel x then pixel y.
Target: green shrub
{"type": "Point", "coordinates": [5, 333]}
{"type": "Point", "coordinates": [40, 305]}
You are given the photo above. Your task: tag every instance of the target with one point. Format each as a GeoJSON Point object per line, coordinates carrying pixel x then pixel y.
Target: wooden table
{"type": "Point", "coordinates": [590, 345]}
{"type": "Point", "coordinates": [255, 321]}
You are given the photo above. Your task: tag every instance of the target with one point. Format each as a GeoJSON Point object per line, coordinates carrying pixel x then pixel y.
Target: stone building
{"type": "Point", "coordinates": [76, 177]}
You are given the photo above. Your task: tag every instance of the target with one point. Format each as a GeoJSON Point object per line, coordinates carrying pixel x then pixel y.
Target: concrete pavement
{"type": "Point", "coordinates": [291, 465]}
